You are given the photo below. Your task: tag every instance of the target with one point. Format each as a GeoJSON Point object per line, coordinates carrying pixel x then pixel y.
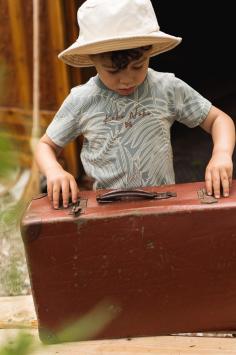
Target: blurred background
{"type": "Point", "coordinates": [206, 61]}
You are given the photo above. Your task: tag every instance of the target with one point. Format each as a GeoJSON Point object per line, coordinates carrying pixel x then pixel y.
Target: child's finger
{"type": "Point", "coordinates": [49, 191]}
{"type": "Point", "coordinates": [65, 193]}
{"type": "Point", "coordinates": [208, 182]}
{"type": "Point", "coordinates": [225, 183]}
{"type": "Point", "coordinates": [56, 195]}
{"type": "Point", "coordinates": [216, 183]}
{"type": "Point", "coordinates": [229, 172]}
{"type": "Point", "coordinates": [74, 190]}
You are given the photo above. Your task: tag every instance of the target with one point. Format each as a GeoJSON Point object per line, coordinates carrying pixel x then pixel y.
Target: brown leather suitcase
{"type": "Point", "coordinates": [166, 265]}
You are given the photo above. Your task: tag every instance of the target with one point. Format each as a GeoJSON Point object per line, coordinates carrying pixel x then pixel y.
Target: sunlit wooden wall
{"type": "Point", "coordinates": [58, 29]}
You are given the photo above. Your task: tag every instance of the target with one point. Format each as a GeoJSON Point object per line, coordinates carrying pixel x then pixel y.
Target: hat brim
{"type": "Point", "coordinates": [78, 55]}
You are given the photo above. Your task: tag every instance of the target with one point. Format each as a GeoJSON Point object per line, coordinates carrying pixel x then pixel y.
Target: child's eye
{"type": "Point", "coordinates": [112, 71]}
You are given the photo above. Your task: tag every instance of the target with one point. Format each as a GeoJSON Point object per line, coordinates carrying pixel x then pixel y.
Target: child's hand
{"type": "Point", "coordinates": [219, 173]}
{"type": "Point", "coordinates": [59, 182]}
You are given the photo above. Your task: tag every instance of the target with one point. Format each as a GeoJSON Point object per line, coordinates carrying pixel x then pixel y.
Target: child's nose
{"type": "Point", "coordinates": [126, 78]}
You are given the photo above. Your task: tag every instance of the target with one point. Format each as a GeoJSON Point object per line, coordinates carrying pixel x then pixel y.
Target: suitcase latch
{"type": "Point", "coordinates": [77, 208]}
{"type": "Point", "coordinates": [204, 198]}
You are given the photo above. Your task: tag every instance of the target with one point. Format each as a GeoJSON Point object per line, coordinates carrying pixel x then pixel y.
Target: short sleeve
{"type": "Point", "coordinates": [191, 107]}
{"type": "Point", "coordinates": [64, 126]}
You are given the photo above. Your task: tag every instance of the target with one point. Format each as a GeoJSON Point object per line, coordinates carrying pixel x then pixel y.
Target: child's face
{"type": "Point", "coordinates": [124, 81]}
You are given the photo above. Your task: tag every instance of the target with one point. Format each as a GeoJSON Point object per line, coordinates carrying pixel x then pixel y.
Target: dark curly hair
{"type": "Point", "coordinates": [120, 59]}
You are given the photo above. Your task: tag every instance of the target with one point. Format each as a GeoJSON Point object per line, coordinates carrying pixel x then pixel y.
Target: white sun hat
{"type": "Point", "coordinates": [111, 25]}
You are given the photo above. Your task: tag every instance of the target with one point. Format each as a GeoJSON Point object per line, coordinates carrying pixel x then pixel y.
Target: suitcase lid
{"type": "Point", "coordinates": [189, 197]}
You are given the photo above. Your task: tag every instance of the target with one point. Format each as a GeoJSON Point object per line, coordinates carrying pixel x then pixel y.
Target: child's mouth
{"type": "Point", "coordinates": [126, 91]}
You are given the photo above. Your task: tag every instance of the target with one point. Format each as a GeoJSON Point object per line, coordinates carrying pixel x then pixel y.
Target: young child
{"type": "Point", "coordinates": [126, 111]}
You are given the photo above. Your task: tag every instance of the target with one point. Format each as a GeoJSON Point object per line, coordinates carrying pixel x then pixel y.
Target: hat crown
{"type": "Point", "coordinates": [104, 19]}
{"type": "Point", "coordinates": [112, 25]}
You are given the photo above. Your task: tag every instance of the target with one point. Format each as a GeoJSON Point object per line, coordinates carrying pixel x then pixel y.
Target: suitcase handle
{"type": "Point", "coordinates": [119, 195]}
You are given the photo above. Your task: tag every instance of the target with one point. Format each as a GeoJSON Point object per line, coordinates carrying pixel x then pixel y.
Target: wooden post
{"type": "Point", "coordinates": [20, 51]}
{"type": "Point", "coordinates": [57, 36]}
{"type": "Point", "coordinates": [71, 22]}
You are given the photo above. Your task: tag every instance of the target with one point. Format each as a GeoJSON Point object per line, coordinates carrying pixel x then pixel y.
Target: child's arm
{"type": "Point", "coordinates": [58, 180]}
{"type": "Point", "coordinates": [219, 170]}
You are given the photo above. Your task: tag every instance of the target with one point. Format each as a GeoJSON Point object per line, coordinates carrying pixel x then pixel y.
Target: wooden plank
{"type": "Point", "coordinates": [16, 17]}
{"type": "Point", "coordinates": [61, 74]}
{"type": "Point", "coordinates": [165, 345]}
{"type": "Point", "coordinates": [17, 312]}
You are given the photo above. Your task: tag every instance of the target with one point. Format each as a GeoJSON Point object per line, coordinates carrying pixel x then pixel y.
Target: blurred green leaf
{"type": "Point", "coordinates": [13, 213]}
{"type": "Point", "coordinates": [21, 345]}
{"type": "Point", "coordinates": [92, 323]}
